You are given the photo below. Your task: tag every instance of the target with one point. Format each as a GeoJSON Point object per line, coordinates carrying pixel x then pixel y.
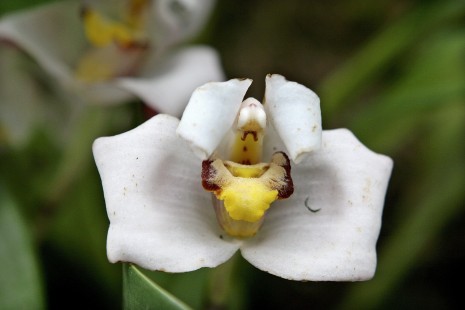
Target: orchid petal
{"type": "Point", "coordinates": [172, 84]}
{"type": "Point", "coordinates": [50, 34]}
{"type": "Point", "coordinates": [20, 98]}
{"type": "Point", "coordinates": [160, 217]}
{"type": "Point", "coordinates": [178, 20]}
{"type": "Point", "coordinates": [294, 112]}
{"type": "Point", "coordinates": [210, 114]}
{"type": "Point", "coordinates": [25, 105]}
{"type": "Point", "coordinates": [347, 183]}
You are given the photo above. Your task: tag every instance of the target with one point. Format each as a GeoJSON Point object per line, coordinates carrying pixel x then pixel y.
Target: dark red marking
{"type": "Point", "coordinates": [246, 133]}
{"type": "Point", "coordinates": [208, 173]}
{"type": "Point", "coordinates": [287, 190]}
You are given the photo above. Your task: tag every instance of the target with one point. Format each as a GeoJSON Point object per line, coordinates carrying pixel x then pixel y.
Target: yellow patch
{"type": "Point", "coordinates": [241, 229]}
{"type": "Point", "coordinates": [246, 171]}
{"type": "Point", "coordinates": [101, 31]}
{"type": "Point", "coordinates": [247, 199]}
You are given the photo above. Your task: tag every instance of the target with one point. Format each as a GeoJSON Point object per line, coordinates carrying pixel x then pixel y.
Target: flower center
{"type": "Point", "coordinates": [244, 186]}
{"type": "Point", "coordinates": [117, 47]}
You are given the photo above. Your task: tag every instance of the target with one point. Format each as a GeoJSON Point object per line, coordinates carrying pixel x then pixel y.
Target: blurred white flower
{"type": "Point", "coordinates": [25, 105]}
{"type": "Point", "coordinates": [108, 51]}
{"type": "Point", "coordinates": [162, 219]}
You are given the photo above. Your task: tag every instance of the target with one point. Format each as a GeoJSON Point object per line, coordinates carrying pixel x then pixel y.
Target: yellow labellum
{"type": "Point", "coordinates": [247, 190]}
{"type": "Point", "coordinates": [101, 31]}
{"type": "Point", "coordinates": [233, 227]}
{"type": "Point", "coordinates": [245, 199]}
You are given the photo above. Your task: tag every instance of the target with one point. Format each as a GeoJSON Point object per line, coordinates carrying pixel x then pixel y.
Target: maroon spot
{"type": "Point", "coordinates": [208, 173]}
{"type": "Point", "coordinates": [286, 190]}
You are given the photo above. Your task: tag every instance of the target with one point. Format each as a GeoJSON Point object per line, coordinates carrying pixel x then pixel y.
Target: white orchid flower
{"type": "Point", "coordinates": [109, 51]}
{"type": "Point", "coordinates": [325, 212]}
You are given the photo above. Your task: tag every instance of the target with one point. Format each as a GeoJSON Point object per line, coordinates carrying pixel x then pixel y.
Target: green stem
{"type": "Point", "coordinates": [221, 284]}
{"type": "Point", "coordinates": [78, 152]}
{"type": "Point", "coordinates": [75, 162]}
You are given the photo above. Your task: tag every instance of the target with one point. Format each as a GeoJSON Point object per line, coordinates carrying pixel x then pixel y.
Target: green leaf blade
{"type": "Point", "coordinates": [139, 292]}
{"type": "Point", "coordinates": [20, 283]}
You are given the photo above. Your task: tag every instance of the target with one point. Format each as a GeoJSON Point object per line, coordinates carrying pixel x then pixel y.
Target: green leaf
{"type": "Point", "coordinates": [343, 85]}
{"type": "Point", "coordinates": [90, 125]}
{"type": "Point", "coordinates": [13, 5]}
{"type": "Point", "coordinates": [433, 80]}
{"type": "Point", "coordinates": [20, 283]}
{"type": "Point", "coordinates": [190, 287]}
{"type": "Point", "coordinates": [139, 292]}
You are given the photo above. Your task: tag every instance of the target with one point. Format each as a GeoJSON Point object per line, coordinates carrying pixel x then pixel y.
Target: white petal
{"type": "Point", "coordinates": [102, 93]}
{"type": "Point", "coordinates": [50, 34]}
{"type": "Point", "coordinates": [210, 114]}
{"type": "Point", "coordinates": [26, 104]}
{"type": "Point", "coordinates": [294, 111]}
{"type": "Point", "coordinates": [174, 80]}
{"type": "Point", "coordinates": [272, 143]}
{"type": "Point", "coordinates": [177, 20]}
{"type": "Point", "coordinates": [20, 98]}
{"type": "Point", "coordinates": [160, 216]}
{"type": "Point", "coordinates": [347, 183]}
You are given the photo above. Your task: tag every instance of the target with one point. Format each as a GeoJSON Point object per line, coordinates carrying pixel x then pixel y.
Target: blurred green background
{"type": "Point", "coordinates": [393, 72]}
